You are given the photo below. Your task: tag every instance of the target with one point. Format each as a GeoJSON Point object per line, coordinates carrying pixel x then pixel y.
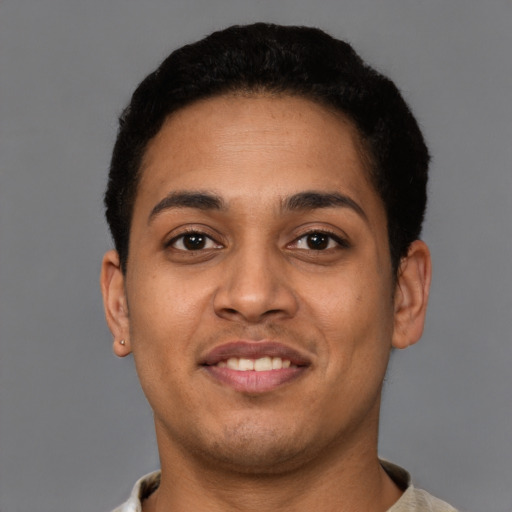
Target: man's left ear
{"type": "Point", "coordinates": [411, 295]}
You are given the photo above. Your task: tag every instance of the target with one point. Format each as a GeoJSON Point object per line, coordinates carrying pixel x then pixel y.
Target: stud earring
{"type": "Point", "coordinates": [122, 342]}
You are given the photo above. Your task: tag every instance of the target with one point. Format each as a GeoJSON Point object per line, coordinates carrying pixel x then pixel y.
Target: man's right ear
{"type": "Point", "coordinates": [114, 302]}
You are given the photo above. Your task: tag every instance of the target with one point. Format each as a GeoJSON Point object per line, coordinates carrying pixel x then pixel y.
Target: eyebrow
{"type": "Point", "coordinates": [303, 201]}
{"type": "Point", "coordinates": [190, 199]}
{"type": "Point", "coordinates": [312, 200]}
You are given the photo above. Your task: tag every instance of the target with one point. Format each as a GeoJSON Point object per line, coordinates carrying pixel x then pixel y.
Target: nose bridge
{"type": "Point", "coordinates": [255, 284]}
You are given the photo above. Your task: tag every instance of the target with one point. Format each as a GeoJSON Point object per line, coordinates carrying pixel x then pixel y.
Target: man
{"type": "Point", "coordinates": [265, 197]}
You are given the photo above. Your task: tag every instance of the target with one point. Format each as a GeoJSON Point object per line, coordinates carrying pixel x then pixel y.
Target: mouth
{"type": "Point", "coordinates": [254, 367]}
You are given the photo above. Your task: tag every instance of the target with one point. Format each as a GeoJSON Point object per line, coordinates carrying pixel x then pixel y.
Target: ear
{"type": "Point", "coordinates": [411, 295]}
{"type": "Point", "coordinates": [114, 302]}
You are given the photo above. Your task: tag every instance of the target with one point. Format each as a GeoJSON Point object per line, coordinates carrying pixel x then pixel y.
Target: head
{"type": "Point", "coordinates": [297, 61]}
{"type": "Point", "coordinates": [265, 197]}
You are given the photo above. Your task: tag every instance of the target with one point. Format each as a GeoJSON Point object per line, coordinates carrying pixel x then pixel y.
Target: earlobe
{"type": "Point", "coordinates": [121, 348]}
{"type": "Point", "coordinates": [411, 295]}
{"type": "Point", "coordinates": [114, 302]}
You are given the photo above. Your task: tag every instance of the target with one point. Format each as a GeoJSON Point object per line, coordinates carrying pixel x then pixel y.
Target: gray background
{"type": "Point", "coordinates": [75, 431]}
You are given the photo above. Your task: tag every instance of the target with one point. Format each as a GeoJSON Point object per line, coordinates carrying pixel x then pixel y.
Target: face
{"type": "Point", "coordinates": [258, 298]}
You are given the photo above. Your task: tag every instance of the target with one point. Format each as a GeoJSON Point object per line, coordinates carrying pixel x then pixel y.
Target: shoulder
{"type": "Point", "coordinates": [413, 500]}
{"type": "Point", "coordinates": [141, 490]}
{"type": "Point", "coordinates": [420, 501]}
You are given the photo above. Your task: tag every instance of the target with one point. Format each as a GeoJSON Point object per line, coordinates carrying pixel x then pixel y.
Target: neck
{"type": "Point", "coordinates": [350, 479]}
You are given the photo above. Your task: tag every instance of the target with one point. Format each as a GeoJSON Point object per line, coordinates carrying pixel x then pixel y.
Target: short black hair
{"type": "Point", "coordinates": [267, 58]}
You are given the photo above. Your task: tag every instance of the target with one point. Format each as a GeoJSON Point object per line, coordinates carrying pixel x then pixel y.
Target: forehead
{"type": "Point", "coordinates": [256, 137]}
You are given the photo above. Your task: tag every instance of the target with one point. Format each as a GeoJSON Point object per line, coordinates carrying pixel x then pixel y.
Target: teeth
{"type": "Point", "coordinates": [277, 363]}
{"type": "Point", "coordinates": [263, 364]}
{"type": "Point", "coordinates": [232, 363]}
{"type": "Point", "coordinates": [259, 365]}
{"type": "Point", "coordinates": [245, 364]}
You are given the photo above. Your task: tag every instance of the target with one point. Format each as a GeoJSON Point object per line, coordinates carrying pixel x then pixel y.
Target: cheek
{"type": "Point", "coordinates": [165, 304]}
{"type": "Point", "coordinates": [353, 317]}
{"type": "Point", "coordinates": [346, 300]}
{"type": "Point", "coordinates": [164, 317]}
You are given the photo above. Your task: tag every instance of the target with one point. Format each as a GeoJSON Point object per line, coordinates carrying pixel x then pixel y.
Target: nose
{"type": "Point", "coordinates": [255, 287]}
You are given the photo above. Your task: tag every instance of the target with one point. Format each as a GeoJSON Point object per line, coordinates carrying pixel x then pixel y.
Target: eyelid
{"type": "Point", "coordinates": [203, 231]}
{"type": "Point", "coordinates": [341, 241]}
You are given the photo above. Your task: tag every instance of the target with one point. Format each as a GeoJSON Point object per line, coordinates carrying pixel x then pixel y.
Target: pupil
{"type": "Point", "coordinates": [194, 242]}
{"type": "Point", "coordinates": [318, 241]}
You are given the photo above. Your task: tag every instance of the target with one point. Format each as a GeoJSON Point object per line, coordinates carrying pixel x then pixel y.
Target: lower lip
{"type": "Point", "coordinates": [252, 381]}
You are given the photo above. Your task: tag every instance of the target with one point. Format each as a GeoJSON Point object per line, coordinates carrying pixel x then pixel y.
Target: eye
{"type": "Point", "coordinates": [193, 241]}
{"type": "Point", "coordinates": [319, 241]}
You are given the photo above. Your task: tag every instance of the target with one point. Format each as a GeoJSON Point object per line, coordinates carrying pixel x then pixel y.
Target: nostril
{"type": "Point", "coordinates": [272, 312]}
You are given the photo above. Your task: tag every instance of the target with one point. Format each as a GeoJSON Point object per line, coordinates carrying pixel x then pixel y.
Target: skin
{"type": "Point", "coordinates": [310, 442]}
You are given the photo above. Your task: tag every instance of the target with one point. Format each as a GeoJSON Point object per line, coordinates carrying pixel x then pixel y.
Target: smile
{"type": "Point", "coordinates": [254, 367]}
{"type": "Point", "coordinates": [258, 365]}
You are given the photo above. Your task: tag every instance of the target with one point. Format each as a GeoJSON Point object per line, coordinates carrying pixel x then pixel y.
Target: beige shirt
{"type": "Point", "coordinates": [412, 500]}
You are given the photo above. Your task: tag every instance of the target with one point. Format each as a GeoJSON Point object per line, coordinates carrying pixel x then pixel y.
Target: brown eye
{"type": "Point", "coordinates": [193, 242]}
{"type": "Point", "coordinates": [317, 241]}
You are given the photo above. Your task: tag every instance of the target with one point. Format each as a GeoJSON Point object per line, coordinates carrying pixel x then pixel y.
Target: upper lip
{"type": "Point", "coordinates": [254, 350]}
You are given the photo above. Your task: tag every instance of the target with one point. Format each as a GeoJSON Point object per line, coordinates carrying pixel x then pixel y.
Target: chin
{"type": "Point", "coordinates": [251, 449]}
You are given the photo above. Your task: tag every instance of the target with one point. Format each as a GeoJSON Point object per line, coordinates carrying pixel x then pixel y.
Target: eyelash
{"type": "Point", "coordinates": [339, 241]}
{"type": "Point", "coordinates": [193, 232]}
{"type": "Point", "coordinates": [331, 237]}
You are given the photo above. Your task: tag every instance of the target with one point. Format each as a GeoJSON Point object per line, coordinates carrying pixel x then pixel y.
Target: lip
{"type": "Point", "coordinates": [254, 382]}
{"type": "Point", "coordinates": [254, 350]}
